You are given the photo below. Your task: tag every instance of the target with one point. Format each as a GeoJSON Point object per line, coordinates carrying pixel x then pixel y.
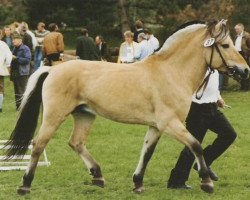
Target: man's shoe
{"type": "Point", "coordinates": [212, 175]}
{"type": "Point", "coordinates": [1, 110]}
{"type": "Point", "coordinates": [179, 186]}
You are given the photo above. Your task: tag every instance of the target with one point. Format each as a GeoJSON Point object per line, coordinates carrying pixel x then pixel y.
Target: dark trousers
{"type": "Point", "coordinates": [202, 117]}
{"type": "Point", "coordinates": [20, 83]}
{"type": "Point", "coordinates": [53, 57]}
{"type": "Point", "coordinates": [245, 83]}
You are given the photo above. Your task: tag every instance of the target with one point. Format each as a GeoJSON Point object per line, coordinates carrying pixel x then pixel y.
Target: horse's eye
{"type": "Point", "coordinates": [225, 46]}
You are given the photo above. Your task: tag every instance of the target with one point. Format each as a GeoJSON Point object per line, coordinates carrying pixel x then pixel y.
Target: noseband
{"type": "Point", "coordinates": [203, 85]}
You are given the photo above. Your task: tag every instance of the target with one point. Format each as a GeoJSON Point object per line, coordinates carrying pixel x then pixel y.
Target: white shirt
{"type": "Point", "coordinates": [129, 52]}
{"type": "Point", "coordinates": [211, 93]}
{"type": "Point", "coordinates": [238, 42]}
{"type": "Point", "coordinates": [5, 58]}
{"type": "Point", "coordinates": [154, 42]}
{"type": "Point", "coordinates": [145, 49]}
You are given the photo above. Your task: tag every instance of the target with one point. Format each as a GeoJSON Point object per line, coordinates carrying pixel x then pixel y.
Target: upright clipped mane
{"type": "Point", "coordinates": [181, 29]}
{"type": "Point", "coordinates": [223, 32]}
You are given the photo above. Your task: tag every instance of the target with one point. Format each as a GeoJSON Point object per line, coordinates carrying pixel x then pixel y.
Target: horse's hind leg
{"type": "Point", "coordinates": [149, 145]}
{"type": "Point", "coordinates": [47, 129]}
{"type": "Point", "coordinates": [82, 125]}
{"type": "Point", "coordinates": [176, 129]}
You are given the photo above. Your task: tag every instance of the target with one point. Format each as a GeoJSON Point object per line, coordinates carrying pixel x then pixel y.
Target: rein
{"type": "Point", "coordinates": [203, 85]}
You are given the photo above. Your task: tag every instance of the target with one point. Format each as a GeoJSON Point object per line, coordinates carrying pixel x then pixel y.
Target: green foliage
{"type": "Point", "coordinates": [117, 147]}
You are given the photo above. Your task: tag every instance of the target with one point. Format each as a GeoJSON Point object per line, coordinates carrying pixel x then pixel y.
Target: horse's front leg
{"type": "Point", "coordinates": [176, 129]}
{"type": "Point", "coordinates": [149, 145]}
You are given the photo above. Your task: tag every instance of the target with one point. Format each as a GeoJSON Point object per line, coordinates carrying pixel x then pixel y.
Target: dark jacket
{"type": "Point", "coordinates": [85, 48]}
{"type": "Point", "coordinates": [103, 52]}
{"type": "Point", "coordinates": [27, 40]}
{"type": "Point", "coordinates": [21, 65]}
{"type": "Point", "coordinates": [245, 44]}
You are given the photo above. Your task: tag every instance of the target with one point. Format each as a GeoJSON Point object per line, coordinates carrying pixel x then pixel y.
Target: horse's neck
{"type": "Point", "coordinates": [187, 62]}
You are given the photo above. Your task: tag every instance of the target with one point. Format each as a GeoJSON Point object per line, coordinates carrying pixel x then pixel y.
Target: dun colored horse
{"type": "Point", "coordinates": [155, 92]}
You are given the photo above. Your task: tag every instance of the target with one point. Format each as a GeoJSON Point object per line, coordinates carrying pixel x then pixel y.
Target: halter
{"type": "Point", "coordinates": [203, 85]}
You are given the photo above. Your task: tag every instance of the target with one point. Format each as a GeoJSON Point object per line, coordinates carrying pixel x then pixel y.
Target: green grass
{"type": "Point", "coordinates": [117, 147]}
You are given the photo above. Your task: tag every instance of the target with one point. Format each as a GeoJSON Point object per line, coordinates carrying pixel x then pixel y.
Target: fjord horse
{"type": "Point", "coordinates": [155, 92]}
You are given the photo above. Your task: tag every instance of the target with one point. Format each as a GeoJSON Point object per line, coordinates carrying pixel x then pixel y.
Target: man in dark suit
{"type": "Point", "coordinates": [139, 29]}
{"type": "Point", "coordinates": [85, 47]}
{"type": "Point", "coordinates": [101, 48]}
{"type": "Point", "coordinates": [242, 44]}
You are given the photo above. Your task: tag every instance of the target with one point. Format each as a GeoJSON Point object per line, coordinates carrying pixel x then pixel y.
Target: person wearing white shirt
{"type": "Point", "coordinates": [203, 116]}
{"type": "Point", "coordinates": [144, 46]}
{"type": "Point", "coordinates": [152, 40]}
{"type": "Point", "coordinates": [5, 60]}
{"type": "Point", "coordinates": [129, 50]}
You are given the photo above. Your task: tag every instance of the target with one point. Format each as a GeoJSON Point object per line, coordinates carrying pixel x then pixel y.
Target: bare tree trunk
{"type": "Point", "coordinates": [123, 16]}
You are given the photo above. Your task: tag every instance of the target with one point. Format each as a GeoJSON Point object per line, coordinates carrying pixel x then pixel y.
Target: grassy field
{"type": "Point", "coordinates": [117, 147]}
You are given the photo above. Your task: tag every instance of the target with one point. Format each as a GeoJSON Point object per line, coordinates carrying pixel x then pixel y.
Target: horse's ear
{"type": "Point", "coordinates": [220, 24]}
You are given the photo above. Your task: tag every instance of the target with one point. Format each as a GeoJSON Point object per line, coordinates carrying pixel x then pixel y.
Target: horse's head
{"type": "Point", "coordinates": [220, 52]}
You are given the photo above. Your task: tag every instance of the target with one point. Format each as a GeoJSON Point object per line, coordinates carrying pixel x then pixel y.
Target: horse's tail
{"type": "Point", "coordinates": [25, 127]}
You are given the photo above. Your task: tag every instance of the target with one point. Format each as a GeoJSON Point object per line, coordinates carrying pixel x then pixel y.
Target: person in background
{"type": "Point", "coordinates": [242, 44]}
{"type": "Point", "coordinates": [33, 37]}
{"type": "Point", "coordinates": [204, 115]}
{"type": "Point", "coordinates": [40, 33]}
{"type": "Point", "coordinates": [5, 60]}
{"type": "Point", "coordinates": [144, 47]}
{"type": "Point", "coordinates": [7, 37]}
{"type": "Point", "coordinates": [138, 29]}
{"type": "Point", "coordinates": [129, 50]}
{"type": "Point", "coordinates": [153, 41]}
{"type": "Point", "coordinates": [101, 48]}
{"type": "Point", "coordinates": [53, 44]}
{"type": "Point", "coordinates": [20, 67]}
{"type": "Point", "coordinates": [26, 38]}
{"type": "Point", "coordinates": [85, 46]}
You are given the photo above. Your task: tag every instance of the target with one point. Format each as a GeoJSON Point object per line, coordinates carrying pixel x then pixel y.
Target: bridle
{"type": "Point", "coordinates": [203, 85]}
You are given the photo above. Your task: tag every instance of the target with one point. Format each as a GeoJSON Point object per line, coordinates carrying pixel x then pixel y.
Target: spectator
{"type": "Point", "coordinates": [26, 38]}
{"type": "Point", "coordinates": [40, 33]}
{"type": "Point", "coordinates": [7, 37]}
{"type": "Point", "coordinates": [5, 60]}
{"type": "Point", "coordinates": [138, 29]}
{"type": "Point", "coordinates": [129, 50]}
{"type": "Point", "coordinates": [102, 48]}
{"type": "Point", "coordinates": [242, 44]}
{"type": "Point", "coordinates": [53, 44]}
{"type": "Point", "coordinates": [33, 37]}
{"type": "Point", "coordinates": [153, 41]}
{"type": "Point", "coordinates": [20, 67]}
{"type": "Point", "coordinates": [85, 46]}
{"type": "Point", "coordinates": [144, 46]}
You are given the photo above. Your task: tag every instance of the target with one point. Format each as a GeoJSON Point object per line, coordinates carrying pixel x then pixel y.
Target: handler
{"type": "Point", "coordinates": [204, 115]}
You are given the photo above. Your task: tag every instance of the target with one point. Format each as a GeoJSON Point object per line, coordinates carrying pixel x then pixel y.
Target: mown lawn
{"type": "Point", "coordinates": [117, 147]}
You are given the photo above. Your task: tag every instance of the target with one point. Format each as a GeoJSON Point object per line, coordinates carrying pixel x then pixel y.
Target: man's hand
{"type": "Point", "coordinates": [13, 57]}
{"type": "Point", "coordinates": [221, 103]}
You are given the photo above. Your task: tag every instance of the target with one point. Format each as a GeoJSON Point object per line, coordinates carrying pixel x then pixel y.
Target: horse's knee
{"type": "Point", "coordinates": [76, 146]}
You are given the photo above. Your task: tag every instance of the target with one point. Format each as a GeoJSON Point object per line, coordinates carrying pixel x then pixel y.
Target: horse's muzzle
{"type": "Point", "coordinates": [239, 73]}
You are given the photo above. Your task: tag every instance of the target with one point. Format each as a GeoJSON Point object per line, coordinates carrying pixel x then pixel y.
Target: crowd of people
{"type": "Point", "coordinates": [31, 49]}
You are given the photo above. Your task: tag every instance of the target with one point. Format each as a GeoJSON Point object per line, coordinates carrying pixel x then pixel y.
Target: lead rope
{"type": "Point", "coordinates": [203, 85]}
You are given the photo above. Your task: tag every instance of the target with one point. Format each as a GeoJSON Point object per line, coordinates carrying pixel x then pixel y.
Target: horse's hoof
{"type": "Point", "coordinates": [139, 190]}
{"type": "Point", "coordinates": [207, 186]}
{"type": "Point", "coordinates": [98, 182]}
{"type": "Point", "coordinates": [23, 190]}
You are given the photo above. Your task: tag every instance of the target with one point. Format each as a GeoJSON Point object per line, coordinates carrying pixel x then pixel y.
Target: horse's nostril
{"type": "Point", "coordinates": [246, 71]}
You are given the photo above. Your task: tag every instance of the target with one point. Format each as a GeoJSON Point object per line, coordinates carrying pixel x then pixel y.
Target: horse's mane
{"type": "Point", "coordinates": [190, 25]}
